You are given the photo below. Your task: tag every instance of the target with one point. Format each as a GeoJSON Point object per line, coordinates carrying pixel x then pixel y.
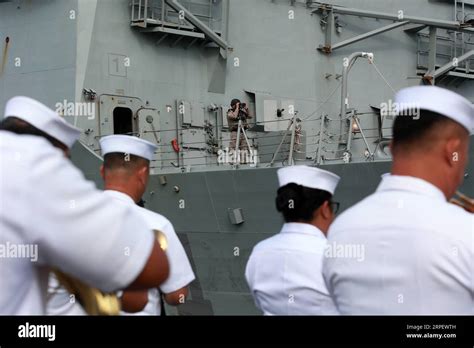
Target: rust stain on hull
{"type": "Point", "coordinates": [4, 55]}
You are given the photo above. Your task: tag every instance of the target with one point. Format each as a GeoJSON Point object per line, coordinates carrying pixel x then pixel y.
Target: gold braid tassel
{"type": "Point", "coordinates": [94, 301]}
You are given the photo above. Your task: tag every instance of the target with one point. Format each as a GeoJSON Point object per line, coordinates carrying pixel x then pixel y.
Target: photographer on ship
{"type": "Point", "coordinates": [238, 112]}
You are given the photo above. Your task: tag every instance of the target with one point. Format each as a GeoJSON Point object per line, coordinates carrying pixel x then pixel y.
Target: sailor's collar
{"type": "Point", "coordinates": [120, 196]}
{"type": "Point", "coordinates": [302, 228]}
{"type": "Point", "coordinates": [410, 184]}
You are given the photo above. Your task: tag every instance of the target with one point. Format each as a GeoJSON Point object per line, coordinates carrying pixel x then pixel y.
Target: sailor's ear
{"type": "Point", "coordinates": [453, 151]}
{"type": "Point", "coordinates": [143, 174]}
{"type": "Point", "coordinates": [325, 210]}
{"type": "Point", "coordinates": [102, 172]}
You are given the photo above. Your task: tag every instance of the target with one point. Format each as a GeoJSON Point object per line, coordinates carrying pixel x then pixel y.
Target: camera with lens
{"type": "Point", "coordinates": [242, 112]}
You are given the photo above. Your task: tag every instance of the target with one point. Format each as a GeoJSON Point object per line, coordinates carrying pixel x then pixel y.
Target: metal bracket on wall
{"type": "Point", "coordinates": [191, 18]}
{"type": "Point", "coordinates": [327, 12]}
{"type": "Point", "coordinates": [181, 26]}
{"type": "Point", "coordinates": [431, 75]}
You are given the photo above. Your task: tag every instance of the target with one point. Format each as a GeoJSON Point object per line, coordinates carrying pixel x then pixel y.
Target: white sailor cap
{"type": "Point", "coordinates": [127, 144]}
{"type": "Point", "coordinates": [309, 177]}
{"type": "Point", "coordinates": [439, 100]}
{"type": "Point", "coordinates": [43, 118]}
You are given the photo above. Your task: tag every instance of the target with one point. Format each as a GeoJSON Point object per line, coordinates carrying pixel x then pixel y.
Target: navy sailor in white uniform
{"type": "Point", "coordinates": [125, 172]}
{"type": "Point", "coordinates": [284, 272]}
{"type": "Point", "coordinates": [419, 248]}
{"type": "Point", "coordinates": [48, 209]}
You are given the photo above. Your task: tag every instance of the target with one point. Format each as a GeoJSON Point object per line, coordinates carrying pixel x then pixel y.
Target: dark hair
{"type": "Point", "coordinates": [409, 131]}
{"type": "Point", "coordinates": [298, 203]}
{"type": "Point", "coordinates": [234, 102]}
{"type": "Point", "coordinates": [18, 126]}
{"type": "Point", "coordinates": [120, 160]}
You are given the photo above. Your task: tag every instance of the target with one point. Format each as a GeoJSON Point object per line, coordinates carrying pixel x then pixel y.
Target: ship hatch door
{"type": "Point", "coordinates": [118, 114]}
{"type": "Point", "coordinates": [123, 120]}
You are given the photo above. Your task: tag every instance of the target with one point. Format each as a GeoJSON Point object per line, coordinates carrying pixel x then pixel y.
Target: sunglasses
{"type": "Point", "coordinates": [334, 206]}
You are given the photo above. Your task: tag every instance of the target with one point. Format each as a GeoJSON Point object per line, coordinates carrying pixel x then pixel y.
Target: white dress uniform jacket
{"type": "Point", "coordinates": [284, 273]}
{"type": "Point", "coordinates": [45, 203]}
{"type": "Point", "coordinates": [181, 273]}
{"type": "Point", "coordinates": [418, 253]}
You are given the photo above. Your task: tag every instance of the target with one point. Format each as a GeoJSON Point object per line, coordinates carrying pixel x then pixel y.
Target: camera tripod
{"type": "Point", "coordinates": [241, 131]}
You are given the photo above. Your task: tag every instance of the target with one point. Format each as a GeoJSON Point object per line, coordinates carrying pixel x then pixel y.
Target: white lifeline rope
{"type": "Point", "coordinates": [381, 75]}
{"type": "Point", "coordinates": [324, 102]}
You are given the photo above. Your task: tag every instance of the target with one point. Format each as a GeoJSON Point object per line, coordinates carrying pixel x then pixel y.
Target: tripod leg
{"type": "Point", "coordinates": [249, 148]}
{"type": "Point", "coordinates": [247, 139]}
{"type": "Point", "coordinates": [243, 149]}
{"type": "Point", "coordinates": [237, 145]}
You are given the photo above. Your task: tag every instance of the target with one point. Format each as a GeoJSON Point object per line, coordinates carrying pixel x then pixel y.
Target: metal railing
{"type": "Point", "coordinates": [159, 12]}
{"type": "Point", "coordinates": [139, 10]}
{"type": "Point", "coordinates": [455, 43]}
